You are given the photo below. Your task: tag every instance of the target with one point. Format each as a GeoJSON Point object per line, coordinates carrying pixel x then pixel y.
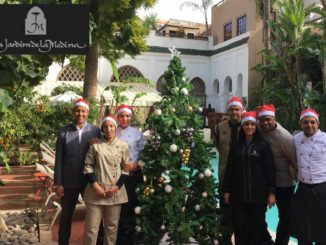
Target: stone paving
{"type": "Point", "coordinates": [18, 194]}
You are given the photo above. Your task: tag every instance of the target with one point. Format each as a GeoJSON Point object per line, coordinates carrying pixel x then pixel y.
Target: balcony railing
{"type": "Point", "coordinates": [177, 35]}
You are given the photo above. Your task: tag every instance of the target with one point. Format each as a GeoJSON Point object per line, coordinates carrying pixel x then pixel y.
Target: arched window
{"type": "Point", "coordinates": [126, 72]}
{"type": "Point", "coordinates": [160, 83]}
{"type": "Point", "coordinates": [228, 85]}
{"type": "Point", "coordinates": [199, 90]}
{"type": "Point", "coordinates": [217, 86]}
{"type": "Point", "coordinates": [239, 86]}
{"type": "Point", "coordinates": [70, 73]}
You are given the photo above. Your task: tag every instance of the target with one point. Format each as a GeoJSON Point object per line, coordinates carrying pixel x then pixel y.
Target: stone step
{"type": "Point", "coordinates": [18, 170]}
{"type": "Point", "coordinates": [22, 189]}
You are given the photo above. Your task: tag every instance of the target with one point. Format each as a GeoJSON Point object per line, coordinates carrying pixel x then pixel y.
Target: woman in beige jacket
{"type": "Point", "coordinates": [105, 191]}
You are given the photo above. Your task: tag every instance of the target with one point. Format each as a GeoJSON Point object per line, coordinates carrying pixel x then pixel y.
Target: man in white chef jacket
{"type": "Point", "coordinates": [308, 219]}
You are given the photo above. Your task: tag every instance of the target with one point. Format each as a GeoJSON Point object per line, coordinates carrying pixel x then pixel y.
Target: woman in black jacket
{"type": "Point", "coordinates": [249, 181]}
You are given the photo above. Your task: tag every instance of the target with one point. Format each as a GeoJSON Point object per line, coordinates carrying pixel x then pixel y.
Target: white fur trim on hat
{"type": "Point", "coordinates": [234, 103]}
{"type": "Point", "coordinates": [266, 113]}
{"type": "Point", "coordinates": [124, 110]}
{"type": "Point", "coordinates": [111, 120]}
{"type": "Point", "coordinates": [309, 114]}
{"type": "Point", "coordinates": [81, 103]}
{"type": "Point", "coordinates": [250, 118]}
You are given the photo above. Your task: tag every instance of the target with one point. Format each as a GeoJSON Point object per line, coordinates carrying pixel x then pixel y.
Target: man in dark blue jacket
{"type": "Point", "coordinates": [71, 148]}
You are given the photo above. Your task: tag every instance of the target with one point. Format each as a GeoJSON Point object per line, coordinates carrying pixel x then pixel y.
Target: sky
{"type": "Point", "coordinates": [170, 9]}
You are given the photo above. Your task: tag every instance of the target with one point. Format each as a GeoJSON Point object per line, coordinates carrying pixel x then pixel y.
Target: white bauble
{"type": "Point", "coordinates": [173, 148]}
{"type": "Point", "coordinates": [157, 112]}
{"type": "Point", "coordinates": [201, 175]}
{"type": "Point", "coordinates": [177, 132]}
{"type": "Point", "coordinates": [184, 91]}
{"type": "Point", "coordinates": [200, 109]}
{"type": "Point", "coordinates": [197, 207]}
{"type": "Point", "coordinates": [138, 228]}
{"type": "Point", "coordinates": [141, 163]}
{"type": "Point", "coordinates": [137, 189]}
{"type": "Point", "coordinates": [163, 227]}
{"type": "Point", "coordinates": [137, 210]}
{"type": "Point", "coordinates": [174, 90]}
{"type": "Point", "coordinates": [173, 109]}
{"type": "Point", "coordinates": [208, 172]}
{"type": "Point", "coordinates": [167, 172]}
{"type": "Point", "coordinates": [168, 188]}
{"type": "Point", "coordinates": [204, 194]}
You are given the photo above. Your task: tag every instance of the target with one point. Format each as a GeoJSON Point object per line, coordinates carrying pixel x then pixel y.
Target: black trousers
{"type": "Point", "coordinates": [68, 204]}
{"type": "Point", "coordinates": [248, 220]}
{"type": "Point", "coordinates": [284, 196]}
{"type": "Point", "coordinates": [126, 230]}
{"type": "Point", "coordinates": [226, 226]}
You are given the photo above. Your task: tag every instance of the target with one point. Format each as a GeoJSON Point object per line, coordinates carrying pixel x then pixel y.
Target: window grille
{"type": "Point", "coordinates": [70, 73]}
{"type": "Point", "coordinates": [126, 72]}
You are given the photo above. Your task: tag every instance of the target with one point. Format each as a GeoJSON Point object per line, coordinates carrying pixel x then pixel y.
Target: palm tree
{"type": "Point", "coordinates": [150, 21]}
{"type": "Point", "coordinates": [203, 7]}
{"type": "Point", "coordinates": [323, 61]}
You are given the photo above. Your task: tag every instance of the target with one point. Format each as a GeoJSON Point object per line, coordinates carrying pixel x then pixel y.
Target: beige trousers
{"type": "Point", "coordinates": [94, 214]}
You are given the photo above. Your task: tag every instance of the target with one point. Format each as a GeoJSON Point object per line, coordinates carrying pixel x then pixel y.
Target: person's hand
{"type": "Point", "coordinates": [129, 166]}
{"type": "Point", "coordinates": [226, 197]}
{"type": "Point", "coordinates": [59, 190]}
{"type": "Point", "coordinates": [293, 172]}
{"type": "Point", "coordinates": [271, 200]}
{"type": "Point", "coordinates": [98, 189]}
{"type": "Point", "coordinates": [112, 190]}
{"type": "Point", "coordinates": [93, 141]}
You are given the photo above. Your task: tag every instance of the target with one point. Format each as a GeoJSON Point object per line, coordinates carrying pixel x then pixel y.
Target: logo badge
{"type": "Point", "coordinates": [35, 22]}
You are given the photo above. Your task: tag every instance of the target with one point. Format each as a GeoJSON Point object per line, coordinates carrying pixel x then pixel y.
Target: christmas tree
{"type": "Point", "coordinates": [178, 197]}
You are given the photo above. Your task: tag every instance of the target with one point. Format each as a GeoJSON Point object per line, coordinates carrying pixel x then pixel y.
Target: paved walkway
{"type": "Point", "coordinates": [18, 194]}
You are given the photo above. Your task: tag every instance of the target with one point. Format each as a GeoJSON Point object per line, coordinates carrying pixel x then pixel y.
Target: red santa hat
{"type": "Point", "coordinates": [266, 110]}
{"type": "Point", "coordinates": [111, 119]}
{"type": "Point", "coordinates": [124, 108]}
{"type": "Point", "coordinates": [309, 113]}
{"type": "Point", "coordinates": [248, 116]}
{"type": "Point", "coordinates": [234, 101]}
{"type": "Point", "coordinates": [81, 102]}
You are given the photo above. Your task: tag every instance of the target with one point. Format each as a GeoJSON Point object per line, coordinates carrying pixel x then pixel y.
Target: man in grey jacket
{"type": "Point", "coordinates": [284, 154]}
{"type": "Point", "coordinates": [71, 148]}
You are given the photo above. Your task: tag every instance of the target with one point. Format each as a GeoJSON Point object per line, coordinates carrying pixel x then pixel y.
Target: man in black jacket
{"type": "Point", "coordinates": [71, 148]}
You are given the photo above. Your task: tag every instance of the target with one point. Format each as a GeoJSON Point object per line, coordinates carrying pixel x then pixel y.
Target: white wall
{"type": "Point", "coordinates": [229, 63]}
{"type": "Point", "coordinates": [152, 65]}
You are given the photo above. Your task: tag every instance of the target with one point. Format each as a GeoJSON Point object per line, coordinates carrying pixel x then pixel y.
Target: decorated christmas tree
{"type": "Point", "coordinates": [178, 199]}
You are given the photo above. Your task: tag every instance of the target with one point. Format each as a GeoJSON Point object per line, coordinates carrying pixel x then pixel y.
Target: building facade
{"type": "Point", "coordinates": [218, 66]}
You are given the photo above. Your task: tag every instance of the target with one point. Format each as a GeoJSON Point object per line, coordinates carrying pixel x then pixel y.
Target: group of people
{"type": "Point", "coordinates": [260, 164]}
{"type": "Point", "coordinates": [102, 165]}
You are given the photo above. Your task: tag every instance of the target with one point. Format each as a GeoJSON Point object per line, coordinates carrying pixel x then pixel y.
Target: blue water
{"type": "Point", "coordinates": [271, 214]}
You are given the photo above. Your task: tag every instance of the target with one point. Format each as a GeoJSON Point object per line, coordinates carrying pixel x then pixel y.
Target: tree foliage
{"type": "Point", "coordinates": [203, 6]}
{"type": "Point", "coordinates": [292, 44]}
{"type": "Point", "coordinates": [177, 197]}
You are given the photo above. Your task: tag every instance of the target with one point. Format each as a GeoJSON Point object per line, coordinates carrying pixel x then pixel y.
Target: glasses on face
{"type": "Point", "coordinates": [312, 122]}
